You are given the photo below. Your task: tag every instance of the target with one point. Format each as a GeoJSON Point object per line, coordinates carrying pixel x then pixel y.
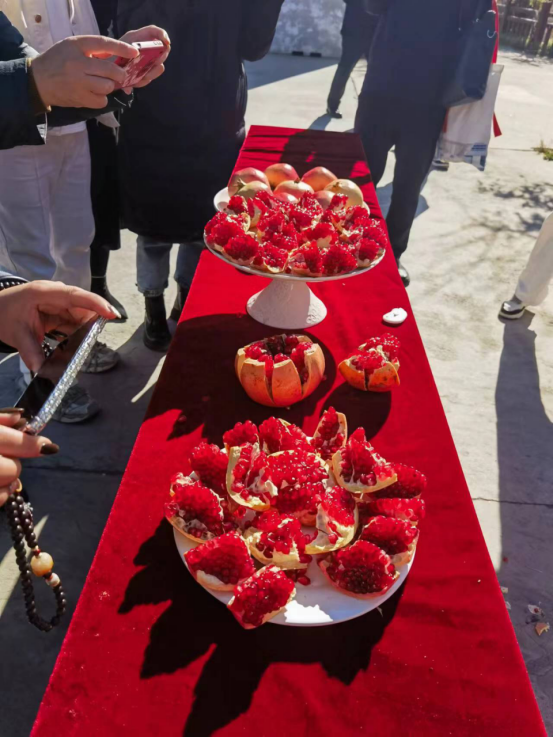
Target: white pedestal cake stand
{"type": "Point", "coordinates": [287, 302]}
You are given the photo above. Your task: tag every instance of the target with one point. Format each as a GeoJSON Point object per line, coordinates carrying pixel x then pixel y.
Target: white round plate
{"type": "Point", "coordinates": [315, 605]}
{"type": "Point", "coordinates": [221, 199]}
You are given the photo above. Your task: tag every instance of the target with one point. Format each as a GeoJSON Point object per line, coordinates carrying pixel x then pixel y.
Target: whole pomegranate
{"type": "Point", "coordinates": [278, 173]}
{"type": "Point", "coordinates": [296, 189]}
{"type": "Point", "coordinates": [318, 178]}
{"type": "Point", "coordinates": [244, 176]}
{"type": "Point", "coordinates": [348, 188]}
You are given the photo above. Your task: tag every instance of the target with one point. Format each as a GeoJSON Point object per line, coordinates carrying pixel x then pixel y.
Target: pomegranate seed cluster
{"type": "Point", "coordinates": [296, 237]}
{"type": "Point", "coordinates": [278, 349]}
{"type": "Point", "coordinates": [277, 501]}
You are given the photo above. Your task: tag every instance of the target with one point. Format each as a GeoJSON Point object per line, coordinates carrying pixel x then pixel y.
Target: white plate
{"type": "Point", "coordinates": [315, 605]}
{"type": "Point", "coordinates": [222, 198]}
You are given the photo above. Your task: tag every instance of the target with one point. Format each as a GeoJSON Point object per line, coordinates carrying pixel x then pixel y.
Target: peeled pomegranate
{"type": "Point", "coordinates": [278, 539]}
{"type": "Point", "coordinates": [337, 519]}
{"type": "Point", "coordinates": [221, 563]}
{"type": "Point", "coordinates": [348, 188]}
{"type": "Point", "coordinates": [210, 463]}
{"type": "Point", "coordinates": [261, 597]}
{"type": "Point", "coordinates": [242, 432]}
{"type": "Point", "coordinates": [224, 226]}
{"type": "Point", "coordinates": [396, 537]}
{"type": "Point", "coordinates": [245, 176]}
{"type": "Point", "coordinates": [409, 483]}
{"type": "Point", "coordinates": [194, 509]}
{"type": "Point", "coordinates": [281, 370]}
{"type": "Point", "coordinates": [300, 477]}
{"type": "Point", "coordinates": [411, 510]}
{"type": "Point", "coordinates": [296, 189]}
{"type": "Point", "coordinates": [359, 468]}
{"type": "Point", "coordinates": [248, 480]}
{"type": "Point", "coordinates": [374, 366]}
{"type": "Point", "coordinates": [278, 173]}
{"type": "Point", "coordinates": [276, 435]}
{"type": "Point", "coordinates": [361, 570]}
{"type": "Point", "coordinates": [318, 178]}
{"type": "Point", "coordinates": [331, 433]}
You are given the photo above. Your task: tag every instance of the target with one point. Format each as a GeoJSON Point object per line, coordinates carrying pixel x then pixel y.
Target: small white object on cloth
{"type": "Point", "coordinates": [395, 316]}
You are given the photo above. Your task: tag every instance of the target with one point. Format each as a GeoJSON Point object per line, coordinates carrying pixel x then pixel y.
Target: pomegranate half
{"type": "Point", "coordinates": [281, 370]}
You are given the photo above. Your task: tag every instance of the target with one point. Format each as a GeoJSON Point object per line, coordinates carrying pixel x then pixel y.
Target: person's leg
{"type": "Point", "coordinates": [152, 271]}
{"type": "Point", "coordinates": [374, 124]}
{"type": "Point", "coordinates": [71, 218]}
{"type": "Point", "coordinates": [187, 262]}
{"type": "Point", "coordinates": [418, 132]}
{"type": "Point", "coordinates": [352, 51]}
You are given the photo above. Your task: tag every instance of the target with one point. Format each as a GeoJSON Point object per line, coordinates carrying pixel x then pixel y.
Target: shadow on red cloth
{"type": "Point", "coordinates": [365, 409]}
{"type": "Point", "coordinates": [236, 658]}
{"type": "Point", "coordinates": [208, 385]}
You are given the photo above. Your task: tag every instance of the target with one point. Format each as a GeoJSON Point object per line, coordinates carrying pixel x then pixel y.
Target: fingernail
{"type": "Point", "coordinates": [115, 312]}
{"type": "Point", "coordinates": [11, 411]}
{"type": "Point", "coordinates": [49, 449]}
{"type": "Point", "coordinates": [15, 486]}
{"type": "Point", "coordinates": [19, 425]}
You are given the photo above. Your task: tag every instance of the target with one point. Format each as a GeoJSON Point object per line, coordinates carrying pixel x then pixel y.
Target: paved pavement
{"type": "Point", "coordinates": [471, 238]}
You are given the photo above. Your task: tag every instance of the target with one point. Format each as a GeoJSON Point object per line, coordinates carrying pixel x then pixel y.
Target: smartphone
{"type": "Point", "coordinates": [137, 68]}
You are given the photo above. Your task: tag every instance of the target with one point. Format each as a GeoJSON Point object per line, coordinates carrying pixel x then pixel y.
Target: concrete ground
{"type": "Point", "coordinates": [470, 240]}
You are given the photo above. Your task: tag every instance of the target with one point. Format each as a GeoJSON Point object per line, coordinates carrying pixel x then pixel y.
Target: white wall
{"type": "Point", "coordinates": [311, 26]}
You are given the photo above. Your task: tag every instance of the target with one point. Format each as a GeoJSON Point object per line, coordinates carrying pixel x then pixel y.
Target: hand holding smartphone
{"type": "Point", "coordinates": [136, 69]}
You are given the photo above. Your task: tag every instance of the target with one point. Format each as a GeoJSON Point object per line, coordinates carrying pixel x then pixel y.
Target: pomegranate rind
{"type": "Point", "coordinates": [381, 380]}
{"type": "Point", "coordinates": [382, 480]}
{"type": "Point", "coordinates": [383, 561]}
{"type": "Point", "coordinates": [348, 188]}
{"type": "Point", "coordinates": [286, 385]}
{"type": "Point", "coordinates": [342, 430]}
{"type": "Point", "coordinates": [278, 173]}
{"type": "Point", "coordinates": [234, 604]}
{"type": "Point", "coordinates": [208, 581]}
{"type": "Point", "coordinates": [263, 491]}
{"type": "Point", "coordinates": [244, 176]}
{"type": "Point", "coordinates": [322, 543]}
{"type": "Point", "coordinates": [315, 367]}
{"type": "Point", "coordinates": [184, 526]}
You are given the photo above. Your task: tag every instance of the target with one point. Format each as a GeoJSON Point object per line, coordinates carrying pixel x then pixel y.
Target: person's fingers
{"type": "Point", "coordinates": [100, 85]}
{"type": "Point", "coordinates": [61, 296]}
{"type": "Point", "coordinates": [16, 444]}
{"type": "Point", "coordinates": [154, 73]}
{"type": "Point", "coordinates": [7, 490]}
{"type": "Point", "coordinates": [148, 33]}
{"type": "Point", "coordinates": [10, 469]}
{"type": "Point", "coordinates": [9, 419]}
{"type": "Point", "coordinates": [29, 348]}
{"type": "Point", "coordinates": [101, 46]}
{"type": "Point", "coordinates": [105, 69]}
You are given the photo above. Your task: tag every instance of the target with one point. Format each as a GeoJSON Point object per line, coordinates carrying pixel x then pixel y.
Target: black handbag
{"type": "Point", "coordinates": [477, 47]}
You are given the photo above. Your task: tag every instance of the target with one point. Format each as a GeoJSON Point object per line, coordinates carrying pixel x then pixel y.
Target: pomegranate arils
{"type": "Point", "coordinates": [284, 242]}
{"type": "Point", "coordinates": [241, 433]}
{"type": "Point", "coordinates": [328, 438]}
{"type": "Point", "coordinates": [300, 480]}
{"type": "Point", "coordinates": [264, 593]}
{"type": "Point", "coordinates": [226, 557]}
{"type": "Point", "coordinates": [277, 436]}
{"type": "Point", "coordinates": [338, 202]}
{"type": "Point", "coordinates": [389, 343]}
{"type": "Point", "coordinates": [307, 258]}
{"type": "Point", "coordinates": [339, 506]}
{"type": "Point", "coordinates": [367, 249]}
{"type": "Point", "coordinates": [210, 463]}
{"type": "Point", "coordinates": [300, 218]}
{"type": "Point", "coordinates": [411, 510]}
{"type": "Point", "coordinates": [271, 223]}
{"type": "Point", "coordinates": [368, 361]}
{"type": "Point", "coordinates": [237, 204]}
{"type": "Point", "coordinates": [224, 231]}
{"type": "Point", "coordinates": [279, 533]}
{"type": "Point", "coordinates": [273, 257]}
{"type": "Point", "coordinates": [242, 248]}
{"type": "Point", "coordinates": [410, 483]}
{"type": "Point", "coordinates": [298, 357]}
{"type": "Point", "coordinates": [197, 506]}
{"type": "Point", "coordinates": [361, 569]}
{"type": "Point", "coordinates": [338, 259]}
{"type": "Point", "coordinates": [392, 535]}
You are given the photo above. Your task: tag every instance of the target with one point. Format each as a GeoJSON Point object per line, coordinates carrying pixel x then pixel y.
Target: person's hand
{"type": "Point", "coordinates": [15, 445]}
{"type": "Point", "coordinates": [30, 310]}
{"type": "Point", "coordinates": [77, 72]}
{"type": "Point", "coordinates": [149, 33]}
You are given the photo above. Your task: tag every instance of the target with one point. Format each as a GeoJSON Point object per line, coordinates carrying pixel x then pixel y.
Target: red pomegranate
{"type": "Point", "coordinates": [209, 463]}
{"type": "Point", "coordinates": [411, 510]}
{"type": "Point", "coordinates": [337, 520]}
{"type": "Point", "coordinates": [278, 539]}
{"type": "Point", "coordinates": [261, 597]}
{"type": "Point", "coordinates": [240, 178]}
{"type": "Point", "coordinates": [194, 509]}
{"type": "Point", "coordinates": [242, 432]}
{"type": "Point", "coordinates": [281, 370]}
{"type": "Point", "coordinates": [296, 189]}
{"type": "Point", "coordinates": [221, 563]}
{"type": "Point", "coordinates": [396, 537]}
{"type": "Point", "coordinates": [318, 178]}
{"type": "Point", "coordinates": [361, 570]}
{"type": "Point", "coordinates": [331, 433]}
{"type": "Point", "coordinates": [359, 468]}
{"type": "Point", "coordinates": [409, 483]}
{"type": "Point", "coordinates": [248, 480]}
{"type": "Point", "coordinates": [374, 366]}
{"type": "Point", "coordinates": [277, 434]}
{"type": "Point", "coordinates": [278, 173]}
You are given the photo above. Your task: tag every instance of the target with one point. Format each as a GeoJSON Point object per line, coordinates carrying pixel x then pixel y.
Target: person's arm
{"type": "Point", "coordinates": [259, 21]}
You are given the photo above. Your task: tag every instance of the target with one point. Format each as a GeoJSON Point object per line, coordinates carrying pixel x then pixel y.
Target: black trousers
{"type": "Point", "coordinates": [353, 48]}
{"type": "Point", "coordinates": [413, 128]}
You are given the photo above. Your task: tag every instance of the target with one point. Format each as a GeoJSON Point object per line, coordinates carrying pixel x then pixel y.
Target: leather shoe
{"type": "Point", "coordinates": [404, 274]}
{"type": "Point", "coordinates": [157, 336]}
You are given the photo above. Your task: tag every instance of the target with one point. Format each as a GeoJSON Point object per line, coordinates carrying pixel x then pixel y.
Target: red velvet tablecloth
{"type": "Point", "coordinates": [150, 653]}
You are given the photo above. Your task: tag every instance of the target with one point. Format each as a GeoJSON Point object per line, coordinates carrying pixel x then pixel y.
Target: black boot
{"type": "Point", "coordinates": [99, 286]}
{"type": "Point", "coordinates": [180, 300]}
{"type": "Point", "coordinates": [156, 332]}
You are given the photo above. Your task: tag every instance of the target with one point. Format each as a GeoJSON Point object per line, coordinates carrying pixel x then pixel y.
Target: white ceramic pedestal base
{"type": "Point", "coordinates": [287, 304]}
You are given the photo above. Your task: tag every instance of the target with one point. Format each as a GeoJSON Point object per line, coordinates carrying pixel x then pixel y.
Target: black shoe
{"type": "Point", "coordinates": [156, 332]}
{"type": "Point", "coordinates": [334, 114]}
{"type": "Point", "coordinates": [180, 301]}
{"type": "Point", "coordinates": [99, 286]}
{"type": "Point", "coordinates": [404, 274]}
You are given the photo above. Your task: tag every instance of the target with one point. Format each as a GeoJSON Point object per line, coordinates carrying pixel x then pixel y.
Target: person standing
{"type": "Point", "coordinates": [414, 56]}
{"type": "Point", "coordinates": [180, 139]}
{"type": "Point", "coordinates": [358, 31]}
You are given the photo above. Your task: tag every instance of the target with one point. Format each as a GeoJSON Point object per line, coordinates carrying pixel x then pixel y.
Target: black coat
{"type": "Point", "coordinates": [180, 139]}
{"type": "Point", "coordinates": [358, 21]}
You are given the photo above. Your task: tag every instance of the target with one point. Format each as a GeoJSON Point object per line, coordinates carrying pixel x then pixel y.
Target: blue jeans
{"type": "Point", "coordinates": [153, 264]}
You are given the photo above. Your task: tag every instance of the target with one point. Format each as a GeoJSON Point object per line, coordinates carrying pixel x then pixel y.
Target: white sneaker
{"type": "Point", "coordinates": [100, 359]}
{"type": "Point", "coordinates": [513, 309]}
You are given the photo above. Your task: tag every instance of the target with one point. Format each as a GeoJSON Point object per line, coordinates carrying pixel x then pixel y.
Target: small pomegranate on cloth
{"type": "Point", "coordinates": [281, 370]}
{"type": "Point", "coordinates": [374, 366]}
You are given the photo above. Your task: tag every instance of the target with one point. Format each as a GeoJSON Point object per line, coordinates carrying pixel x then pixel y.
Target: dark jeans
{"type": "Point", "coordinates": [353, 48]}
{"type": "Point", "coordinates": [413, 128]}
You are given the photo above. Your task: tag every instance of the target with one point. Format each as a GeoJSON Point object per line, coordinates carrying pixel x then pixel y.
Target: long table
{"type": "Point", "coordinates": [150, 653]}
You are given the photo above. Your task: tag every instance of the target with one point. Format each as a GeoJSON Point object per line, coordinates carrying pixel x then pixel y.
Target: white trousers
{"type": "Point", "coordinates": [533, 284]}
{"type": "Point", "coordinates": [46, 221]}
